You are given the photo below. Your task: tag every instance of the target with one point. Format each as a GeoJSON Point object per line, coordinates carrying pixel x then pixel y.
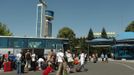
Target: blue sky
{"type": "Point", "coordinates": [79, 15]}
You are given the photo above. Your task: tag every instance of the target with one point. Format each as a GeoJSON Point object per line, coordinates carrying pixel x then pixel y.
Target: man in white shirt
{"type": "Point", "coordinates": [33, 64]}
{"type": "Point", "coordinates": [102, 57]}
{"type": "Point", "coordinates": [69, 59]}
{"type": "Point", "coordinates": [40, 62]}
{"type": "Point", "coordinates": [82, 60]}
{"type": "Point", "coordinates": [60, 56]}
{"type": "Point", "coordinates": [18, 58]}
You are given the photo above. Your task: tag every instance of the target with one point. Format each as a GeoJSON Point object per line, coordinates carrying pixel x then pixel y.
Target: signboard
{"type": "Point", "coordinates": [16, 51]}
{"type": "Point", "coordinates": [6, 50]}
{"type": "Point", "coordinates": [46, 51]}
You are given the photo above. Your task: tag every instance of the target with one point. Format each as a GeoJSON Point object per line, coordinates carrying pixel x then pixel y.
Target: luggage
{"type": "Point", "coordinates": [78, 68]}
{"type": "Point", "coordinates": [26, 69]}
{"type": "Point", "coordinates": [47, 70]}
{"type": "Point", "coordinates": [95, 60]}
{"type": "Point", "coordinates": [81, 68]}
{"type": "Point", "coordinates": [7, 66]}
{"type": "Point", "coordinates": [72, 70]}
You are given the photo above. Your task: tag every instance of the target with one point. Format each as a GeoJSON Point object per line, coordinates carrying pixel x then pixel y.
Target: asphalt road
{"type": "Point", "coordinates": [99, 68]}
{"type": "Point", "coordinates": [111, 68]}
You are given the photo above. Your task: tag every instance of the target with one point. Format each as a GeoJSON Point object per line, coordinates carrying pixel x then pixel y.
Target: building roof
{"type": "Point", "coordinates": [122, 45]}
{"type": "Point", "coordinates": [33, 37]}
{"type": "Point", "coordinates": [100, 42]}
{"type": "Point", "coordinates": [125, 36]}
{"type": "Point", "coordinates": [100, 39]}
{"type": "Point", "coordinates": [100, 45]}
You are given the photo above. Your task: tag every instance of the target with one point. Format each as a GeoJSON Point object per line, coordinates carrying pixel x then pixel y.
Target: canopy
{"type": "Point", "coordinates": [100, 45]}
{"type": "Point", "coordinates": [100, 40]}
{"type": "Point", "coordinates": [125, 36]}
{"type": "Point", "coordinates": [122, 45]}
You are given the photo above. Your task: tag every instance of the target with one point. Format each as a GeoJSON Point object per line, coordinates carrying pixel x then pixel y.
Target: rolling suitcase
{"type": "Point", "coordinates": [26, 69]}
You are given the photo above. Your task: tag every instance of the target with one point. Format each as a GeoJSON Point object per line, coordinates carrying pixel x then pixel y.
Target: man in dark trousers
{"type": "Point", "coordinates": [28, 59]}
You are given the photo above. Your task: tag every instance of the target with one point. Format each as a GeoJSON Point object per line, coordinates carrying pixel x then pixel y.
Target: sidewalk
{"type": "Point", "coordinates": [123, 60]}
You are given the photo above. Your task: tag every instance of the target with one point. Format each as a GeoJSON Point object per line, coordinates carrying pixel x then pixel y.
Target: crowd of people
{"type": "Point", "coordinates": [61, 62]}
{"type": "Point", "coordinates": [94, 57]}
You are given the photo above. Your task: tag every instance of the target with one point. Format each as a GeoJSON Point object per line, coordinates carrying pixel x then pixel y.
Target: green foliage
{"type": "Point", "coordinates": [130, 27]}
{"type": "Point", "coordinates": [103, 33]}
{"type": "Point", "coordinates": [83, 44]}
{"type": "Point", "coordinates": [4, 31]}
{"type": "Point", "coordinates": [90, 35]}
{"type": "Point", "coordinates": [66, 32]}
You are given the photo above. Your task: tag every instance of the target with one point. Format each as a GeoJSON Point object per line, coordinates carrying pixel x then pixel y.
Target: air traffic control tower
{"type": "Point", "coordinates": [48, 26]}
{"type": "Point", "coordinates": [44, 20]}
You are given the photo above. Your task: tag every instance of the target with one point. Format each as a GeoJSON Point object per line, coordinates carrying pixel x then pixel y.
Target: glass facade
{"type": "Point", "coordinates": [49, 28]}
{"type": "Point", "coordinates": [120, 49]}
{"type": "Point", "coordinates": [52, 44]}
{"type": "Point", "coordinates": [49, 13]}
{"type": "Point", "coordinates": [17, 43]}
{"type": "Point", "coordinates": [123, 51]}
{"type": "Point", "coordinates": [36, 43]}
{"type": "Point", "coordinates": [39, 22]}
{"type": "Point", "coordinates": [30, 43]}
{"type": "Point", "coordinates": [3, 43]}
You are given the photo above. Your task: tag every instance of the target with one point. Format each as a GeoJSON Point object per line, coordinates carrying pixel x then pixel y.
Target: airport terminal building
{"type": "Point", "coordinates": [122, 46]}
{"type": "Point", "coordinates": [40, 46]}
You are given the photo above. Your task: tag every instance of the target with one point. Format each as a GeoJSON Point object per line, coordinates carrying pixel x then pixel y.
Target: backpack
{"type": "Point", "coordinates": [28, 56]}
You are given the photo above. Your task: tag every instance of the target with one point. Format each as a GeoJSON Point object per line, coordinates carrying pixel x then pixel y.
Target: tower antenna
{"type": "Point", "coordinates": [43, 2]}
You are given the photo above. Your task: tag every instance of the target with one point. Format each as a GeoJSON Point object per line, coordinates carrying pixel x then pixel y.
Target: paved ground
{"type": "Point", "coordinates": [111, 68]}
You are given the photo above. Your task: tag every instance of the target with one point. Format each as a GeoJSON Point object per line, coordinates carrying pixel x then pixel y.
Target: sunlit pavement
{"type": "Point", "coordinates": [111, 68]}
{"type": "Point", "coordinates": [99, 68]}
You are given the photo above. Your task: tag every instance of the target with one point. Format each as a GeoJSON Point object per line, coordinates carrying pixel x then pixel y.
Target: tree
{"type": "Point", "coordinates": [90, 35]}
{"type": "Point", "coordinates": [83, 44]}
{"type": "Point", "coordinates": [103, 33]}
{"type": "Point", "coordinates": [130, 27]}
{"type": "Point", "coordinates": [4, 31]}
{"type": "Point", "coordinates": [66, 32]}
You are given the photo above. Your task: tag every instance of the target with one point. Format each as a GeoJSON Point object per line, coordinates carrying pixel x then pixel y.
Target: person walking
{"type": "Point", "coordinates": [0, 63]}
{"type": "Point", "coordinates": [40, 61]}
{"type": "Point", "coordinates": [69, 58]}
{"type": "Point", "coordinates": [52, 59]}
{"type": "Point", "coordinates": [106, 58]}
{"type": "Point", "coordinates": [94, 58]}
{"type": "Point", "coordinates": [22, 62]}
{"type": "Point", "coordinates": [33, 64]}
{"type": "Point", "coordinates": [28, 59]}
{"type": "Point", "coordinates": [82, 61]}
{"type": "Point", "coordinates": [102, 57]}
{"type": "Point", "coordinates": [60, 56]}
{"type": "Point", "coordinates": [18, 63]}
